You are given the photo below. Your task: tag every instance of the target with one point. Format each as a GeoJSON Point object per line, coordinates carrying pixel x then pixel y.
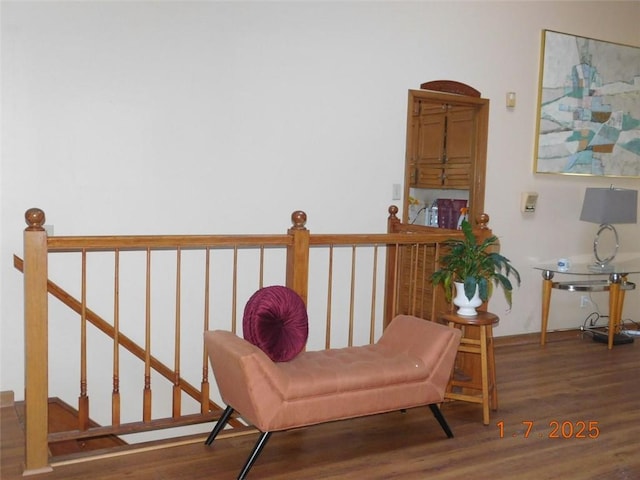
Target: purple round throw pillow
{"type": "Point", "coordinates": [275, 320]}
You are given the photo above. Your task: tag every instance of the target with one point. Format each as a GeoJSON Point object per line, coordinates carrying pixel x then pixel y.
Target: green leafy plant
{"type": "Point", "coordinates": [474, 264]}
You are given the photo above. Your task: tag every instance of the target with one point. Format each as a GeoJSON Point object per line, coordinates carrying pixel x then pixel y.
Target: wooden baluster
{"type": "Point", "coordinates": [327, 336]}
{"type": "Point", "coordinates": [431, 300]}
{"type": "Point", "coordinates": [374, 279]}
{"type": "Point", "coordinates": [36, 343]}
{"type": "Point", "coordinates": [115, 395]}
{"type": "Point", "coordinates": [83, 400]}
{"type": "Point", "coordinates": [261, 283]}
{"type": "Point", "coordinates": [146, 405]}
{"type": "Point", "coordinates": [424, 280]}
{"type": "Point", "coordinates": [204, 382]}
{"type": "Point", "coordinates": [413, 265]}
{"type": "Point", "coordinates": [404, 292]}
{"type": "Point", "coordinates": [177, 392]}
{"type": "Point", "coordinates": [207, 287]}
{"type": "Point", "coordinates": [439, 302]}
{"type": "Point", "coordinates": [419, 278]}
{"type": "Point", "coordinates": [204, 391]}
{"type": "Point", "coordinates": [394, 288]}
{"type": "Point", "coordinates": [234, 289]}
{"type": "Point", "coordinates": [352, 294]}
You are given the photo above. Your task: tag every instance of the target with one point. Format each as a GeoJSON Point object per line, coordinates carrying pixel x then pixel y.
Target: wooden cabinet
{"type": "Point", "coordinates": [446, 148]}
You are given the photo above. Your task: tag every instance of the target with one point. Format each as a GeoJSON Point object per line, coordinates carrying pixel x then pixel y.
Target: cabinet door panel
{"type": "Point", "coordinates": [460, 135]}
{"type": "Point", "coordinates": [457, 176]}
{"type": "Point", "coordinates": [431, 137]}
{"type": "Point", "coordinates": [429, 176]}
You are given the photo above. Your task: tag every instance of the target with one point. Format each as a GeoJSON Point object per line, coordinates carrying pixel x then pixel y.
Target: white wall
{"type": "Point", "coordinates": [213, 117]}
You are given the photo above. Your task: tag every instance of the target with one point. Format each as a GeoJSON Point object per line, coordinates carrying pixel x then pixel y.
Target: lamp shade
{"type": "Point", "coordinates": [610, 205]}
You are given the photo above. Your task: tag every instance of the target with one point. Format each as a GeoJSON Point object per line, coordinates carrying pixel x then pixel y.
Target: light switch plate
{"type": "Point", "coordinates": [396, 191]}
{"type": "Point", "coordinates": [528, 202]}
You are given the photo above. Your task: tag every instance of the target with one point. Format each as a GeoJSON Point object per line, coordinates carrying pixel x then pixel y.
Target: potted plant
{"type": "Point", "coordinates": [476, 267]}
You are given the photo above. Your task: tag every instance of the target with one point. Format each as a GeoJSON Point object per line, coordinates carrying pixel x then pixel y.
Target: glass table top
{"type": "Point", "coordinates": [621, 268]}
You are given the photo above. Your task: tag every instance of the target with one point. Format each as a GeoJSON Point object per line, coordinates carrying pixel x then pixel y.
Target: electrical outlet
{"type": "Point", "coordinates": [584, 301]}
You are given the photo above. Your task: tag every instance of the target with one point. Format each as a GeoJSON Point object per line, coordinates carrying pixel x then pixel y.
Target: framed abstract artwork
{"type": "Point", "coordinates": [588, 107]}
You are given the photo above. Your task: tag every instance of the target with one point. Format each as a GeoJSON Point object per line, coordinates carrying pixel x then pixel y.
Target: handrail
{"type": "Point", "coordinates": [381, 238]}
{"type": "Point", "coordinates": [161, 242]}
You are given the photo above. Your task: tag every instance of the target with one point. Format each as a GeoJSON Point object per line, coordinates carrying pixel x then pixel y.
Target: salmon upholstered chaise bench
{"type": "Point", "coordinates": [409, 366]}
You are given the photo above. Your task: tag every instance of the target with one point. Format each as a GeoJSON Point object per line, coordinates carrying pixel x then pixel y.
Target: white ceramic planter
{"type": "Point", "coordinates": [466, 307]}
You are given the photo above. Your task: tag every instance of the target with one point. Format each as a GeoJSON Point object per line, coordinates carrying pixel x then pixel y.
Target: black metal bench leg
{"type": "Point", "coordinates": [264, 436]}
{"type": "Point", "coordinates": [443, 423]}
{"type": "Point", "coordinates": [222, 421]}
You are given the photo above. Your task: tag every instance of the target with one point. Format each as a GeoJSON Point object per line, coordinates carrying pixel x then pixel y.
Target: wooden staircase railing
{"type": "Point", "coordinates": [332, 264]}
{"type": "Point", "coordinates": [211, 410]}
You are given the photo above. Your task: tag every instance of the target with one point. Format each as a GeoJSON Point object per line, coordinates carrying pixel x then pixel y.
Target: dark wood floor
{"type": "Point", "coordinates": [571, 381]}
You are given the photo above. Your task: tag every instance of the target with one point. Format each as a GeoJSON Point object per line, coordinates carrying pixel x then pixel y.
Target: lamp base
{"type": "Point", "coordinates": [596, 242]}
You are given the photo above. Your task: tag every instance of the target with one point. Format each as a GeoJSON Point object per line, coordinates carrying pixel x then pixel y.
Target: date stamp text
{"type": "Point", "coordinates": [581, 429]}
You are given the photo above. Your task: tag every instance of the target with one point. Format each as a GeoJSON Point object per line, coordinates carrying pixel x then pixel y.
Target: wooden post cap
{"type": "Point", "coordinates": [483, 220]}
{"type": "Point", "coordinates": [298, 220]}
{"type": "Point", "coordinates": [35, 219]}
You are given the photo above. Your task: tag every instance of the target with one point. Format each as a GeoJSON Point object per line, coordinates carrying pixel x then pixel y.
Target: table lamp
{"type": "Point", "coordinates": [606, 206]}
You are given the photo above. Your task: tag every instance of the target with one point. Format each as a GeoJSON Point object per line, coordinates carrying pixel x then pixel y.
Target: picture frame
{"type": "Point", "coordinates": [588, 111]}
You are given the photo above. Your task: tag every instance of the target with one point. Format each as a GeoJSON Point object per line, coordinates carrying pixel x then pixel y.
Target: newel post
{"type": "Point", "coordinates": [391, 270]}
{"type": "Point", "coordinates": [36, 343]}
{"type": "Point", "coordinates": [298, 255]}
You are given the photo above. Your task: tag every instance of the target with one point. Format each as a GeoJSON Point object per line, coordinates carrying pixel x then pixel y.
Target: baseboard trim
{"type": "Point", "coordinates": [534, 338]}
